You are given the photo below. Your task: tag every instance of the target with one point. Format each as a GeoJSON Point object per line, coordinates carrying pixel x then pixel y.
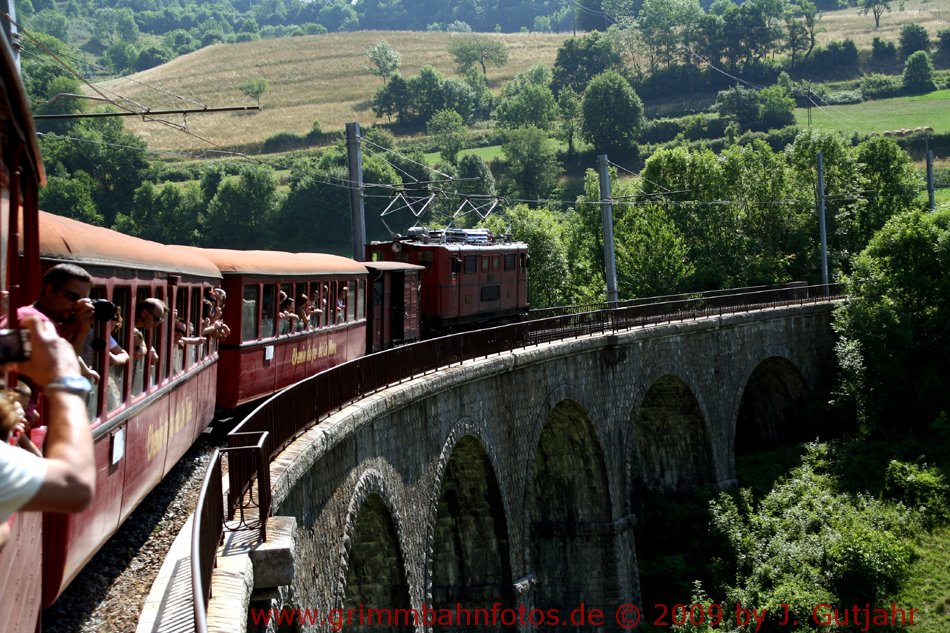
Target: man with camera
{"type": "Point", "coordinates": [64, 300]}
{"type": "Point", "coordinates": [63, 480]}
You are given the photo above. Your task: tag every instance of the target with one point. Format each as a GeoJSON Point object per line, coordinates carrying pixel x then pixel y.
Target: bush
{"type": "Point", "coordinates": [914, 38]}
{"type": "Point", "coordinates": [875, 86]}
{"type": "Point", "coordinates": [837, 59]}
{"type": "Point", "coordinates": [844, 97]}
{"type": "Point", "coordinates": [282, 142]}
{"type": "Point", "coordinates": [921, 487]}
{"type": "Point", "coordinates": [806, 543]}
{"type": "Point", "coordinates": [883, 50]}
{"type": "Point", "coordinates": [919, 73]}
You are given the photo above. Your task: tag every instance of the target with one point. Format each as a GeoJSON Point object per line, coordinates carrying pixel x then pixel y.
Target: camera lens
{"type": "Point", "coordinates": [104, 310]}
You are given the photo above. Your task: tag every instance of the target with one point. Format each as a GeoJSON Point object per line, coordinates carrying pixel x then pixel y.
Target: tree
{"type": "Point", "coordinates": [533, 104]}
{"type": "Point", "coordinates": [914, 38]}
{"type": "Point", "coordinates": [254, 88]}
{"type": "Point", "coordinates": [667, 25]}
{"type": "Point", "coordinates": [895, 327]}
{"type": "Point", "coordinates": [425, 94]}
{"type": "Point", "coordinates": [71, 197]}
{"type": "Point", "coordinates": [168, 214]}
{"type": "Point", "coordinates": [392, 99]}
{"type": "Point", "coordinates": [549, 282]}
{"type": "Point", "coordinates": [569, 112]}
{"type": "Point", "coordinates": [612, 113]}
{"type": "Point", "coordinates": [890, 183]}
{"type": "Point", "coordinates": [918, 73]}
{"type": "Point", "coordinates": [448, 130]}
{"type": "Point", "coordinates": [241, 211]}
{"type": "Point", "coordinates": [532, 168]}
{"type": "Point", "coordinates": [386, 60]}
{"type": "Point", "coordinates": [583, 58]}
{"type": "Point", "coordinates": [469, 50]}
{"type": "Point", "coordinates": [652, 255]}
{"type": "Point", "coordinates": [877, 8]}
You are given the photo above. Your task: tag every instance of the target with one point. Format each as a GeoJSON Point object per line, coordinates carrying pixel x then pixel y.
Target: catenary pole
{"type": "Point", "coordinates": [822, 230]}
{"type": "Point", "coordinates": [355, 162]}
{"type": "Point", "coordinates": [607, 219]}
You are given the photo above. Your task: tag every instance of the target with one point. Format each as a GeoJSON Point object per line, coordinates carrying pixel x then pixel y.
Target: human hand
{"type": "Point", "coordinates": [52, 358]}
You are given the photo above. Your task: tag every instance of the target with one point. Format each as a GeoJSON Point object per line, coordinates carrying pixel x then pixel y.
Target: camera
{"type": "Point", "coordinates": [15, 346]}
{"type": "Point", "coordinates": [104, 310]}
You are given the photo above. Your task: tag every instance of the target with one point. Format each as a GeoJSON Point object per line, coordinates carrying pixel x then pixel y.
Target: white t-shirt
{"type": "Point", "coordinates": [21, 475]}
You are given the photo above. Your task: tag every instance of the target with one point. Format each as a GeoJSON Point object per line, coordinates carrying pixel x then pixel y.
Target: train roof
{"type": "Point", "coordinates": [277, 262]}
{"type": "Point", "coordinates": [69, 240]}
{"type": "Point", "coordinates": [388, 265]}
{"type": "Point", "coordinates": [14, 108]}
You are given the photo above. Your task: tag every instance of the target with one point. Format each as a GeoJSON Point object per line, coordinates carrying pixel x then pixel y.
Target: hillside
{"type": "Point", "coordinates": [312, 78]}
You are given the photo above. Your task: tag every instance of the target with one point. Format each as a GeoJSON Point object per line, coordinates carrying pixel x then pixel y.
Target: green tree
{"type": "Point", "coordinates": [392, 99]}
{"type": "Point", "coordinates": [776, 108]}
{"type": "Point", "coordinates": [666, 26]}
{"type": "Point", "coordinates": [890, 183]}
{"type": "Point", "coordinates": [385, 59]}
{"type": "Point", "coordinates": [612, 113]}
{"type": "Point", "coordinates": [581, 59]}
{"type": "Point", "coordinates": [877, 8]}
{"type": "Point", "coordinates": [533, 104]}
{"type": "Point", "coordinates": [914, 37]}
{"type": "Point", "coordinates": [895, 328]}
{"type": "Point", "coordinates": [532, 168]}
{"type": "Point", "coordinates": [241, 211]}
{"type": "Point", "coordinates": [569, 113]}
{"type": "Point", "coordinates": [448, 130]}
{"type": "Point", "coordinates": [71, 196]}
{"type": "Point", "coordinates": [254, 89]}
{"type": "Point", "coordinates": [168, 214]}
{"type": "Point", "coordinates": [919, 73]}
{"type": "Point", "coordinates": [425, 94]}
{"type": "Point", "coordinates": [541, 230]}
{"type": "Point", "coordinates": [469, 50]}
{"type": "Point", "coordinates": [652, 255]}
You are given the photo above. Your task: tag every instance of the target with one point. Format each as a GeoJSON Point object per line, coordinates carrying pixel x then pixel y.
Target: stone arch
{"type": "Point", "coordinates": [468, 544]}
{"type": "Point", "coordinates": [768, 394]}
{"type": "Point", "coordinates": [372, 570]}
{"type": "Point", "coordinates": [570, 533]}
{"type": "Point", "coordinates": [671, 443]}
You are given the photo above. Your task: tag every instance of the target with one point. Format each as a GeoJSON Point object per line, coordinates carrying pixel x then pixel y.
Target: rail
{"type": "Point", "coordinates": [289, 413]}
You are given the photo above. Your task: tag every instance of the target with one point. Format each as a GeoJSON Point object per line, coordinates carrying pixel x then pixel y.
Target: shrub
{"type": "Point", "coordinates": [943, 45]}
{"type": "Point", "coordinates": [883, 50]}
{"type": "Point", "coordinates": [919, 73]}
{"type": "Point", "coordinates": [844, 97]}
{"type": "Point", "coordinates": [282, 142]}
{"type": "Point", "coordinates": [916, 486]}
{"type": "Point", "coordinates": [914, 38]}
{"type": "Point", "coordinates": [876, 86]}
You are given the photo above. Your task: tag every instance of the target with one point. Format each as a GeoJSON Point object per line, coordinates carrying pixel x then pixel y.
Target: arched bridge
{"type": "Point", "coordinates": [514, 478]}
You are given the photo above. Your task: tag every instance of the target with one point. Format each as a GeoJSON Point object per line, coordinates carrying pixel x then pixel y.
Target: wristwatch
{"type": "Point", "coordinates": [76, 385]}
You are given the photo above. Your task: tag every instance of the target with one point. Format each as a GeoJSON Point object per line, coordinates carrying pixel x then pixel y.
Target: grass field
{"type": "Point", "coordinates": [933, 15]}
{"type": "Point", "coordinates": [314, 78]}
{"type": "Point", "coordinates": [884, 114]}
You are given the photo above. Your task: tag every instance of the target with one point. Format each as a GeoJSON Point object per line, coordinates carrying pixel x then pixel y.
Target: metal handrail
{"type": "Point", "coordinates": [289, 413]}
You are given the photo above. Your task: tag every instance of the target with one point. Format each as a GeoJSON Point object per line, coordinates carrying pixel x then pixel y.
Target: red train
{"type": "Point", "coordinates": [146, 413]}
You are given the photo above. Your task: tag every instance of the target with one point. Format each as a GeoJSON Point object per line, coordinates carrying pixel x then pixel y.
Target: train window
{"type": "Point", "coordinates": [316, 308]}
{"type": "Point", "coordinates": [268, 310]}
{"type": "Point", "coordinates": [456, 266]}
{"type": "Point", "coordinates": [200, 308]}
{"type": "Point", "coordinates": [249, 314]}
{"type": "Point", "coordinates": [425, 258]}
{"type": "Point", "coordinates": [485, 263]}
{"type": "Point", "coordinates": [93, 354]}
{"type": "Point", "coordinates": [471, 264]}
{"type": "Point", "coordinates": [524, 261]}
{"type": "Point", "coordinates": [180, 315]}
{"type": "Point", "coordinates": [159, 335]}
{"type": "Point", "coordinates": [495, 262]}
{"type": "Point", "coordinates": [118, 349]}
{"type": "Point", "coordinates": [510, 262]}
{"type": "Point", "coordinates": [351, 300]}
{"type": "Point", "coordinates": [361, 300]}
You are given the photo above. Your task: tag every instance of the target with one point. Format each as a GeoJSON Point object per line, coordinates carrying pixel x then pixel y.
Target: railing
{"type": "Point", "coordinates": [211, 516]}
{"type": "Point", "coordinates": [289, 413]}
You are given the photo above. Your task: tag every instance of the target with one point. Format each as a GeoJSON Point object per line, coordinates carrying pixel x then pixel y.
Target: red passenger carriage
{"type": "Point", "coordinates": [265, 352]}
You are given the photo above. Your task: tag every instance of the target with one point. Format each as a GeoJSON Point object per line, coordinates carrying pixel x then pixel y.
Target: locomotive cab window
{"type": "Point", "coordinates": [509, 262]}
{"type": "Point", "coordinates": [471, 264]}
{"type": "Point", "coordinates": [456, 266]}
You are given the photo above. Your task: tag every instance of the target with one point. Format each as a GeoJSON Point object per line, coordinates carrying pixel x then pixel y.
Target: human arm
{"type": "Point", "coordinates": [70, 464]}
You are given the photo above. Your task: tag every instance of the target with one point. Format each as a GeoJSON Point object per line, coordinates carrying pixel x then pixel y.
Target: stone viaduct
{"type": "Point", "coordinates": [514, 479]}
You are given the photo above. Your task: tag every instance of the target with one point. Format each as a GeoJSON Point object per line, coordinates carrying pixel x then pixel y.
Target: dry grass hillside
{"type": "Point", "coordinates": [315, 78]}
{"type": "Point", "coordinates": [933, 15]}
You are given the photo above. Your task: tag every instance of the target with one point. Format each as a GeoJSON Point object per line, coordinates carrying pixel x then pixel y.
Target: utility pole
{"type": "Point", "coordinates": [822, 231]}
{"type": "Point", "coordinates": [607, 219]}
{"type": "Point", "coordinates": [930, 176]}
{"type": "Point", "coordinates": [355, 162]}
